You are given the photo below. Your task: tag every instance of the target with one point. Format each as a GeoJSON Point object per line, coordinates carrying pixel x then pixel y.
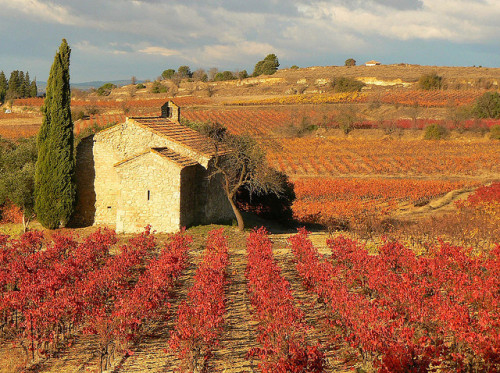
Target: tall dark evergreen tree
{"type": "Point", "coordinates": [20, 89]}
{"type": "Point", "coordinates": [33, 89]}
{"type": "Point", "coordinates": [26, 85]}
{"type": "Point", "coordinates": [13, 87]}
{"type": "Point", "coordinates": [3, 86]}
{"type": "Point", "coordinates": [55, 168]}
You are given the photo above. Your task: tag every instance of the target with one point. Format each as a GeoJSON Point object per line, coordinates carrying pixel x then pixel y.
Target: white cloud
{"type": "Point", "coordinates": [86, 47]}
{"type": "Point", "coordinates": [238, 33]}
{"type": "Point", "coordinates": [159, 50]}
{"type": "Point", "coordinates": [47, 11]}
{"type": "Point", "coordinates": [237, 52]}
{"type": "Point", "coordinates": [452, 20]}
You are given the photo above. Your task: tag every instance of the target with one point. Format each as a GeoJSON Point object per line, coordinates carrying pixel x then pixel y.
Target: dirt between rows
{"type": "Point", "coordinates": [151, 352]}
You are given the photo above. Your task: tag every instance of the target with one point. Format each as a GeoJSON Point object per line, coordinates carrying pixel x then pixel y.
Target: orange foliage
{"type": "Point", "coordinates": [10, 213]}
{"type": "Point", "coordinates": [438, 98]}
{"type": "Point", "coordinates": [111, 103]}
{"type": "Point", "coordinates": [325, 200]}
{"type": "Point", "coordinates": [349, 156]}
{"type": "Point", "coordinates": [18, 131]}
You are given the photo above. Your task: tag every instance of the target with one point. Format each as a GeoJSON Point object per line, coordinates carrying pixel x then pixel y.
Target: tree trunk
{"type": "Point", "coordinates": [237, 213]}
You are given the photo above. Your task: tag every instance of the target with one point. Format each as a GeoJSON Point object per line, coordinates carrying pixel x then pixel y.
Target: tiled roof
{"type": "Point", "coordinates": [175, 157]}
{"type": "Point", "coordinates": [180, 134]}
{"type": "Point", "coordinates": [180, 160]}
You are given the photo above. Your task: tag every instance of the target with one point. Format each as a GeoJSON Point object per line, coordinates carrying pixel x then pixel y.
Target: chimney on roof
{"type": "Point", "coordinates": [171, 111]}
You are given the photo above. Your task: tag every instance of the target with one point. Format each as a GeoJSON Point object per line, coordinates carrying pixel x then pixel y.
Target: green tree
{"type": "Point", "coordinates": [488, 105]}
{"type": "Point", "coordinates": [33, 89]}
{"type": "Point", "coordinates": [268, 66]}
{"type": "Point", "coordinates": [168, 74]}
{"type": "Point", "coordinates": [3, 86]}
{"type": "Point", "coordinates": [350, 62]}
{"type": "Point", "coordinates": [17, 176]}
{"type": "Point", "coordinates": [13, 86]}
{"type": "Point", "coordinates": [55, 168]}
{"type": "Point", "coordinates": [243, 74]}
{"type": "Point", "coordinates": [225, 75]}
{"type": "Point", "coordinates": [20, 91]}
{"type": "Point", "coordinates": [26, 85]}
{"type": "Point", "coordinates": [184, 72]}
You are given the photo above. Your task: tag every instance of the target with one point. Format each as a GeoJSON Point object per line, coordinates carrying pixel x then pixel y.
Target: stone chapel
{"type": "Point", "coordinates": [148, 170]}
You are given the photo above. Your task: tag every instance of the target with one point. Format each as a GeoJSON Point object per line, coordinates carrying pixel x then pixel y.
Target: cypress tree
{"type": "Point", "coordinates": [55, 168]}
{"type": "Point", "coordinates": [33, 89]}
{"type": "Point", "coordinates": [20, 90]}
{"type": "Point", "coordinates": [13, 87]}
{"type": "Point", "coordinates": [26, 83]}
{"type": "Point", "coordinates": [3, 86]}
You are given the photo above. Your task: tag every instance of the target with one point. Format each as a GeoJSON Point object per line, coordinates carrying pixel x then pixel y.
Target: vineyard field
{"type": "Point", "coordinates": [329, 200]}
{"type": "Point", "coordinates": [426, 99]}
{"type": "Point", "coordinates": [390, 158]}
{"type": "Point", "coordinates": [238, 302]}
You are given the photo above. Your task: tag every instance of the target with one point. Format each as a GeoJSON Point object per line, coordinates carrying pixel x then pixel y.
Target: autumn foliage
{"type": "Point", "coordinates": [282, 330]}
{"type": "Point", "coordinates": [404, 313]}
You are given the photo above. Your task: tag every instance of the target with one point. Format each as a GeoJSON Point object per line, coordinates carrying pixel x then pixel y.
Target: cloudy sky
{"type": "Point", "coordinates": [117, 39]}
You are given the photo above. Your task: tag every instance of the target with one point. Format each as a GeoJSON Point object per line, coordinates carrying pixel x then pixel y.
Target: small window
{"type": "Point", "coordinates": [149, 195]}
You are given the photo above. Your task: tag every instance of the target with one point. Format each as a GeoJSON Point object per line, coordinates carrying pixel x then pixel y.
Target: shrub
{"type": "Point", "coordinates": [157, 87]}
{"type": "Point", "coordinates": [488, 105]}
{"type": "Point", "coordinates": [140, 86]}
{"type": "Point", "coordinates": [435, 132]}
{"type": "Point", "coordinates": [105, 89]}
{"type": "Point", "coordinates": [226, 75]}
{"type": "Point", "coordinates": [430, 81]}
{"type": "Point", "coordinates": [495, 132]}
{"type": "Point", "coordinates": [78, 115]}
{"type": "Point", "coordinates": [344, 84]}
{"type": "Point", "coordinates": [294, 67]}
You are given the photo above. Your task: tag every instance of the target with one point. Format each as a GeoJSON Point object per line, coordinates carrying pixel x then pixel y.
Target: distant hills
{"type": "Point", "coordinates": [88, 85]}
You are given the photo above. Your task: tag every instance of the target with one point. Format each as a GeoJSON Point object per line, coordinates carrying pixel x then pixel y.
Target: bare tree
{"type": "Point", "coordinates": [132, 89]}
{"type": "Point", "coordinates": [347, 117]}
{"type": "Point", "coordinates": [241, 163]}
{"type": "Point", "coordinates": [212, 72]}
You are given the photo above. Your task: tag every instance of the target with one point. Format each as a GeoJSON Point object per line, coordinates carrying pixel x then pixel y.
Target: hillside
{"type": "Point", "coordinates": [317, 79]}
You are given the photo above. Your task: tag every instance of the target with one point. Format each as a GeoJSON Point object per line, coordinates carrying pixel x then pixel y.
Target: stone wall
{"type": "Point", "coordinates": [115, 194]}
{"type": "Point", "coordinates": [149, 194]}
{"type": "Point", "coordinates": [110, 147]}
{"type": "Point", "coordinates": [193, 195]}
{"type": "Point", "coordinates": [84, 177]}
{"type": "Point", "coordinates": [216, 206]}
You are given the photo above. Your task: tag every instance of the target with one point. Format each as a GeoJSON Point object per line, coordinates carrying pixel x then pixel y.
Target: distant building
{"type": "Point", "coordinates": [149, 171]}
{"type": "Point", "coordinates": [372, 63]}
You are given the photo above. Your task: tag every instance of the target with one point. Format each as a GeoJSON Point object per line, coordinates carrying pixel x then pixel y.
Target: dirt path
{"type": "Point", "coordinates": [239, 332]}
{"type": "Point", "coordinates": [151, 352]}
{"type": "Point", "coordinates": [315, 312]}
